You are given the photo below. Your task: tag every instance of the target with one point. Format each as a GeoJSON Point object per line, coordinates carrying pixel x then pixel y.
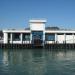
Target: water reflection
{"type": "Point", "coordinates": [5, 58]}
{"type": "Point", "coordinates": [37, 62]}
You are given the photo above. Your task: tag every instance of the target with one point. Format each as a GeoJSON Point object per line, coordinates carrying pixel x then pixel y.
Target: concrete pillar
{"type": "Point", "coordinates": [64, 37]}
{"type": "Point", "coordinates": [43, 37]}
{"type": "Point", "coordinates": [73, 37]}
{"type": "Point", "coordinates": [31, 37]}
{"type": "Point", "coordinates": [11, 38]}
{"type": "Point", "coordinates": [21, 38]}
{"type": "Point", "coordinates": [56, 39]}
{"type": "Point", "coordinates": [5, 38]}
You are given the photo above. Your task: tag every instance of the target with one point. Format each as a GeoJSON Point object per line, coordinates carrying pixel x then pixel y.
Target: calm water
{"type": "Point", "coordinates": [37, 62]}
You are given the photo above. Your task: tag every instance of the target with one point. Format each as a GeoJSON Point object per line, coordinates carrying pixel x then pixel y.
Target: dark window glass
{"type": "Point", "coordinates": [68, 33]}
{"type": "Point", "coordinates": [16, 36]}
{"type": "Point", "coordinates": [60, 34]}
{"type": "Point", "coordinates": [50, 37]}
{"type": "Point", "coordinates": [9, 36]}
{"type": "Point", "coordinates": [37, 35]}
{"type": "Point", "coordinates": [26, 37]}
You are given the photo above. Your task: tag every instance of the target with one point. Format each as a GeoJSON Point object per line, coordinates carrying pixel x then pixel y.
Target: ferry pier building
{"type": "Point", "coordinates": [38, 35]}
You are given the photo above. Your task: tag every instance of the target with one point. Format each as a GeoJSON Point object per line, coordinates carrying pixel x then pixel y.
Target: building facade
{"type": "Point", "coordinates": [37, 34]}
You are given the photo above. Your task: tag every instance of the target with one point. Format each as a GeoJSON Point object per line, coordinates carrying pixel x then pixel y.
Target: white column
{"type": "Point", "coordinates": [56, 38]}
{"type": "Point", "coordinates": [43, 37]}
{"type": "Point", "coordinates": [73, 37]}
{"type": "Point", "coordinates": [64, 38]}
{"type": "Point", "coordinates": [21, 38]}
{"type": "Point", "coordinates": [5, 38]}
{"type": "Point", "coordinates": [30, 36]}
{"type": "Point", "coordinates": [11, 38]}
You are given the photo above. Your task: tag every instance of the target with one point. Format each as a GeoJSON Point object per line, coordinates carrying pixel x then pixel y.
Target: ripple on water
{"type": "Point", "coordinates": [37, 62]}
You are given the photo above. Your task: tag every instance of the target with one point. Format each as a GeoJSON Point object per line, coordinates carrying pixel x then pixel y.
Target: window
{"type": "Point", "coordinates": [60, 34]}
{"type": "Point", "coordinates": [37, 35]}
{"type": "Point", "coordinates": [26, 37]}
{"type": "Point", "coordinates": [9, 36]}
{"type": "Point", "coordinates": [50, 37]}
{"type": "Point", "coordinates": [16, 36]}
{"type": "Point", "coordinates": [68, 33]}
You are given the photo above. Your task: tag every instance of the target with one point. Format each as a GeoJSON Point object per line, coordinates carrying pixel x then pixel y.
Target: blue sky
{"type": "Point", "coordinates": [17, 13]}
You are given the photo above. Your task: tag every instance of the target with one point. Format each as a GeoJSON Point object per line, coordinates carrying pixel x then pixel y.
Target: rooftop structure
{"type": "Point", "coordinates": [37, 21]}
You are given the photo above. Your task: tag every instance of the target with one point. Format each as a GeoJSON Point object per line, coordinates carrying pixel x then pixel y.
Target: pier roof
{"type": "Point", "coordinates": [17, 31]}
{"type": "Point", "coordinates": [34, 21]}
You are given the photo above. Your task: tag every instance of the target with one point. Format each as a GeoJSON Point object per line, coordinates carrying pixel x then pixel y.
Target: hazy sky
{"type": "Point", "coordinates": [17, 13]}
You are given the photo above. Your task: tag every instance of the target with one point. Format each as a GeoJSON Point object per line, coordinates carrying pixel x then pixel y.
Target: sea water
{"type": "Point", "coordinates": [37, 62]}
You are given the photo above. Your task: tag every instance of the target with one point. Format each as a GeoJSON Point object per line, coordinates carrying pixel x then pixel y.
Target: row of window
{"type": "Point", "coordinates": [16, 37]}
{"type": "Point", "coordinates": [48, 37]}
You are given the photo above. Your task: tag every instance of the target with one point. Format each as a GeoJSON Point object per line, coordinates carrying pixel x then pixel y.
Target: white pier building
{"type": "Point", "coordinates": [38, 34]}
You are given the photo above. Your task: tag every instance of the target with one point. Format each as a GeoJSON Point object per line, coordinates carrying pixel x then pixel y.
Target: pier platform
{"type": "Point", "coordinates": [29, 46]}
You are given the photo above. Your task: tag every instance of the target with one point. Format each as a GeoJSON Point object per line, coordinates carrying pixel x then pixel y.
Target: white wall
{"type": "Point", "coordinates": [37, 26]}
{"type": "Point", "coordinates": [20, 42]}
{"type": "Point", "coordinates": [69, 38]}
{"type": "Point", "coordinates": [26, 42]}
{"type": "Point", "coordinates": [49, 42]}
{"type": "Point", "coordinates": [5, 38]}
{"type": "Point", "coordinates": [60, 38]}
{"type": "Point", "coordinates": [74, 39]}
{"type": "Point", "coordinates": [15, 42]}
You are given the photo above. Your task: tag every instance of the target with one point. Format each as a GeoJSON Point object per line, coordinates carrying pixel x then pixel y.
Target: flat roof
{"type": "Point", "coordinates": [34, 21]}
{"type": "Point", "coordinates": [17, 31]}
{"type": "Point", "coordinates": [59, 31]}
{"type": "Point", "coordinates": [46, 31]}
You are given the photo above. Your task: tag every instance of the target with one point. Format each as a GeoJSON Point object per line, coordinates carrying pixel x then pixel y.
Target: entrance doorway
{"type": "Point", "coordinates": [37, 38]}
